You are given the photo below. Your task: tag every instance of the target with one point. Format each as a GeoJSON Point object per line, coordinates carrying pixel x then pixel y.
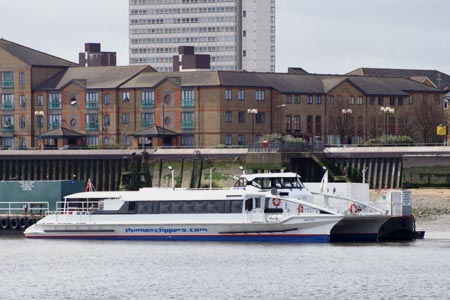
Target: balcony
{"type": "Point", "coordinates": [148, 104]}
{"type": "Point", "coordinates": [92, 105]}
{"type": "Point", "coordinates": [8, 84]}
{"type": "Point", "coordinates": [54, 105]}
{"type": "Point", "coordinates": [187, 125]}
{"type": "Point", "coordinates": [8, 128]}
{"type": "Point", "coordinates": [92, 126]}
{"type": "Point", "coordinates": [54, 125]}
{"type": "Point", "coordinates": [7, 106]}
{"type": "Point", "coordinates": [146, 123]}
{"type": "Point", "coordinates": [189, 102]}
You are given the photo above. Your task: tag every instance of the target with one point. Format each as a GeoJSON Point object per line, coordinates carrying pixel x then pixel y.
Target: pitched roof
{"type": "Point", "coordinates": [389, 85]}
{"type": "Point", "coordinates": [152, 80]}
{"type": "Point", "coordinates": [440, 79]}
{"type": "Point", "coordinates": [33, 57]}
{"type": "Point", "coordinates": [154, 131]}
{"type": "Point", "coordinates": [61, 132]}
{"type": "Point", "coordinates": [94, 77]}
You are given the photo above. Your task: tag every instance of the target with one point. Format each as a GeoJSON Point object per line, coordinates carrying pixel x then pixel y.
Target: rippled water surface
{"type": "Point", "coordinates": [59, 269]}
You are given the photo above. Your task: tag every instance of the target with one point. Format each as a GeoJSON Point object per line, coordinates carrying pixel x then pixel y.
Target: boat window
{"type": "Point", "coordinates": [262, 183]}
{"type": "Point", "coordinates": [242, 182]}
{"type": "Point", "coordinates": [131, 206]}
{"type": "Point", "coordinates": [189, 207]}
{"type": "Point", "coordinates": [257, 203]}
{"type": "Point", "coordinates": [249, 204]}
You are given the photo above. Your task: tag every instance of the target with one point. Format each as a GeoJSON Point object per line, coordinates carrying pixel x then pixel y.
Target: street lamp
{"type": "Point", "coordinates": [242, 169]}
{"type": "Point", "coordinates": [40, 122]}
{"type": "Point", "coordinates": [210, 177]}
{"type": "Point", "coordinates": [346, 113]}
{"type": "Point", "coordinates": [254, 112]}
{"type": "Point", "coordinates": [172, 175]}
{"type": "Point", "coordinates": [387, 111]}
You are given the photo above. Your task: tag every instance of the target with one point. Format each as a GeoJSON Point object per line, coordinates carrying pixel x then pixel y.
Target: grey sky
{"type": "Point", "coordinates": [322, 36]}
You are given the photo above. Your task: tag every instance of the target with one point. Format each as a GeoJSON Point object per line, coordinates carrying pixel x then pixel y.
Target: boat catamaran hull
{"type": "Point", "coordinates": [361, 220]}
{"type": "Point", "coordinates": [185, 215]}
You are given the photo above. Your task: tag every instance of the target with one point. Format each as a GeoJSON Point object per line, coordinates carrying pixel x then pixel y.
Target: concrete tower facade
{"type": "Point", "coordinates": [238, 34]}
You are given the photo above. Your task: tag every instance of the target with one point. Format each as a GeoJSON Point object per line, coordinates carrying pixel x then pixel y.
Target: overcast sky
{"type": "Point", "coordinates": [321, 36]}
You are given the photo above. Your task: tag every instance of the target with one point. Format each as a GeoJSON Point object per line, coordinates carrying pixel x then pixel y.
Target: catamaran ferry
{"type": "Point", "coordinates": [188, 215]}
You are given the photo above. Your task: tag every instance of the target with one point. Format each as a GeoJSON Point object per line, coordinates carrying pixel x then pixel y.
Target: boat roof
{"type": "Point", "coordinates": [157, 194]}
{"type": "Point", "coordinates": [269, 175]}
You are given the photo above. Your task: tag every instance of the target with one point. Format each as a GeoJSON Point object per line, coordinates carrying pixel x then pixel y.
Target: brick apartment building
{"type": "Point", "coordinates": [47, 101]}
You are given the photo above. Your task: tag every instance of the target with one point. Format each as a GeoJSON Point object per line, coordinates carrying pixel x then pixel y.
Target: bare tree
{"type": "Point", "coordinates": [341, 121]}
{"type": "Point", "coordinates": [406, 125]}
{"type": "Point", "coordinates": [427, 116]}
{"type": "Point", "coordinates": [375, 123]}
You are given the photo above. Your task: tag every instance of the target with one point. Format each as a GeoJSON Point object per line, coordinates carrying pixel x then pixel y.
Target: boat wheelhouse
{"type": "Point", "coordinates": [194, 215]}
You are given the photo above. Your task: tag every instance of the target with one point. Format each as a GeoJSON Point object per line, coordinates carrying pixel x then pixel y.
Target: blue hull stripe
{"type": "Point", "coordinates": [212, 238]}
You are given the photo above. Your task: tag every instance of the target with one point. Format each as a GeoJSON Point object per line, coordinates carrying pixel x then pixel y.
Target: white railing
{"type": "Point", "coordinates": [83, 207]}
{"type": "Point", "coordinates": [34, 208]}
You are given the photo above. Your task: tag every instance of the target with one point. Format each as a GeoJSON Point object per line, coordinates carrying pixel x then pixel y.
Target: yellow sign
{"type": "Point", "coordinates": [441, 130]}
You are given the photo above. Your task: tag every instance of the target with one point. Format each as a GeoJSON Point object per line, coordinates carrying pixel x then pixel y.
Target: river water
{"type": "Point", "coordinates": [61, 269]}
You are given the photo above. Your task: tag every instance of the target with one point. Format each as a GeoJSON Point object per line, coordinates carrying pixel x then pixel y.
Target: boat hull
{"type": "Point", "coordinates": [356, 228]}
{"type": "Point", "coordinates": [312, 229]}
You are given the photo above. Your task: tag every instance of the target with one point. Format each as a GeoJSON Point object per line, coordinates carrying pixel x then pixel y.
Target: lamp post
{"type": "Point", "coordinates": [40, 122]}
{"type": "Point", "coordinates": [387, 111]}
{"type": "Point", "coordinates": [346, 113]}
{"type": "Point", "coordinates": [254, 112]}
{"type": "Point", "coordinates": [210, 177]}
{"type": "Point", "coordinates": [172, 175]}
{"type": "Point", "coordinates": [242, 169]}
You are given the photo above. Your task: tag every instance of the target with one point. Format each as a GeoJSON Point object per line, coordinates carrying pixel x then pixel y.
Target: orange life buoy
{"type": "Point", "coordinates": [353, 208]}
{"type": "Point", "coordinates": [300, 209]}
{"type": "Point", "coordinates": [276, 202]}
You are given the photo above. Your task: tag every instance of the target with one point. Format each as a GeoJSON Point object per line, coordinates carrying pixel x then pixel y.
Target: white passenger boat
{"type": "Point", "coordinates": [188, 215]}
{"type": "Point", "coordinates": [361, 220]}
